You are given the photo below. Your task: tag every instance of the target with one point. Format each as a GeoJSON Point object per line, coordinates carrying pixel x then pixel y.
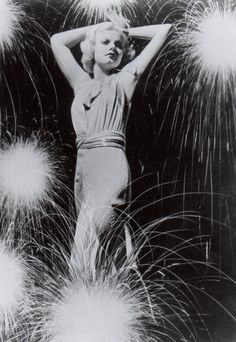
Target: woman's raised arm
{"type": "Point", "coordinates": [61, 44]}
{"type": "Point", "coordinates": [157, 34]}
{"type": "Point", "coordinates": [131, 73]}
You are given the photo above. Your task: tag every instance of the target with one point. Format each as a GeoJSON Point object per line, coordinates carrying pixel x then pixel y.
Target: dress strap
{"type": "Point", "coordinates": [101, 139]}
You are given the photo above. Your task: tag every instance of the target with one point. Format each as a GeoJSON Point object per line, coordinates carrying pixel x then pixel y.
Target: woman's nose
{"type": "Point", "coordinates": [112, 45]}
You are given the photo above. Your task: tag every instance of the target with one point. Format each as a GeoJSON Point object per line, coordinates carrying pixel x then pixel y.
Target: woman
{"type": "Point", "coordinates": [103, 92]}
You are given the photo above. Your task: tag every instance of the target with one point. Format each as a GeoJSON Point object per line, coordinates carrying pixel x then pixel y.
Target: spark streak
{"type": "Point", "coordinates": [99, 9]}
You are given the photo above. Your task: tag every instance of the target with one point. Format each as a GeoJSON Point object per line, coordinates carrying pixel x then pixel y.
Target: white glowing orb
{"type": "Point", "coordinates": [25, 173]}
{"type": "Point", "coordinates": [214, 41]}
{"type": "Point", "coordinates": [12, 281]}
{"type": "Point", "coordinates": [100, 8]}
{"type": "Point", "coordinates": [9, 21]}
{"type": "Point", "coordinates": [97, 314]}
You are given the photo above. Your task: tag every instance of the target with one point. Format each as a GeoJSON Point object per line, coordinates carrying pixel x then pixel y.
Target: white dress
{"type": "Point", "coordinates": [102, 179]}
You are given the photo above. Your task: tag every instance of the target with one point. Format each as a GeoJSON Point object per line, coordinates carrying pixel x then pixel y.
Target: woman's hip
{"type": "Point", "coordinates": [104, 173]}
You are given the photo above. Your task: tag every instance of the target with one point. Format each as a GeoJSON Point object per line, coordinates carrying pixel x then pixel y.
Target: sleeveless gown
{"type": "Point", "coordinates": [99, 114]}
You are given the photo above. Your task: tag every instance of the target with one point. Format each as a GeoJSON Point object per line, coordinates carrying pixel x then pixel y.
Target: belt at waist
{"type": "Point", "coordinates": [101, 139]}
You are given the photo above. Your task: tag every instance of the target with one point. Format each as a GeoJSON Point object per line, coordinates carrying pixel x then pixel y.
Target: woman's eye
{"type": "Point", "coordinates": [119, 44]}
{"type": "Point", "coordinates": [106, 42]}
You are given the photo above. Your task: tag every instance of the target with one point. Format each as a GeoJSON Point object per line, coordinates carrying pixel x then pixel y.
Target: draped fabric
{"type": "Point", "coordinates": [102, 139]}
{"type": "Point", "coordinates": [100, 106]}
{"type": "Point", "coordinates": [100, 114]}
{"type": "Point", "coordinates": [102, 179]}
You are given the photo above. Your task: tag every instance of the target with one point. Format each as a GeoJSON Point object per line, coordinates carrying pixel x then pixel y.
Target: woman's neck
{"type": "Point", "coordinates": [101, 74]}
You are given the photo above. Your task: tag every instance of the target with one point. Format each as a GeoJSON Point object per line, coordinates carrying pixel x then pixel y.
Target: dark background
{"type": "Point", "coordinates": [192, 187]}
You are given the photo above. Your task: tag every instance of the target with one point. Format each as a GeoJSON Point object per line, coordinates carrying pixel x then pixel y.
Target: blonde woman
{"type": "Point", "coordinates": [103, 85]}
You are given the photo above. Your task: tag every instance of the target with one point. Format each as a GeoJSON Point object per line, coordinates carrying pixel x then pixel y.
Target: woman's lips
{"type": "Point", "coordinates": [112, 55]}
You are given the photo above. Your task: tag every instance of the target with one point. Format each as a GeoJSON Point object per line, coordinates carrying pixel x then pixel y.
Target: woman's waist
{"type": "Point", "coordinates": [101, 139]}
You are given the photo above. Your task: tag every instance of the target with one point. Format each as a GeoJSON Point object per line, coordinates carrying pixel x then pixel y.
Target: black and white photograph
{"type": "Point", "coordinates": [118, 170]}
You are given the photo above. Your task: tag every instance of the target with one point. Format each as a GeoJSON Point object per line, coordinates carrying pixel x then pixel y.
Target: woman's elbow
{"type": "Point", "coordinates": [163, 32]}
{"type": "Point", "coordinates": [167, 27]}
{"type": "Point", "coordinates": [53, 39]}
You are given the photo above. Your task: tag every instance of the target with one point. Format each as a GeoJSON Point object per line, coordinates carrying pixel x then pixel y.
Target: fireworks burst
{"type": "Point", "coordinates": [208, 38]}
{"type": "Point", "coordinates": [214, 42]}
{"type": "Point", "coordinates": [203, 75]}
{"type": "Point", "coordinates": [27, 174]}
{"type": "Point", "coordinates": [106, 308]}
{"type": "Point", "coordinates": [9, 22]}
{"type": "Point", "coordinates": [98, 10]}
{"type": "Point", "coordinates": [99, 312]}
{"type": "Point", "coordinates": [14, 294]}
{"type": "Point", "coordinates": [109, 303]}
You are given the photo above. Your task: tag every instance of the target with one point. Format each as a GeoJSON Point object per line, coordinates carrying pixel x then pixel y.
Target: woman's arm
{"type": "Point", "coordinates": [148, 32]}
{"type": "Point", "coordinates": [61, 44]}
{"type": "Point", "coordinates": [157, 34]}
{"type": "Point", "coordinates": [133, 70]}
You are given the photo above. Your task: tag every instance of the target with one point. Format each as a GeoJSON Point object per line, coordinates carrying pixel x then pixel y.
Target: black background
{"type": "Point", "coordinates": [169, 178]}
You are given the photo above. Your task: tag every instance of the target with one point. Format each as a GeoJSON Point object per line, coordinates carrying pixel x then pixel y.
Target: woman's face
{"type": "Point", "coordinates": [109, 49]}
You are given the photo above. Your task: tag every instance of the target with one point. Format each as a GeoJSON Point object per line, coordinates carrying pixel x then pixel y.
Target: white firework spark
{"type": "Point", "coordinates": [208, 39]}
{"type": "Point", "coordinates": [10, 15]}
{"type": "Point", "coordinates": [26, 174]}
{"type": "Point", "coordinates": [105, 308]}
{"type": "Point", "coordinates": [97, 10]}
{"type": "Point", "coordinates": [99, 312]}
{"type": "Point", "coordinates": [14, 290]}
{"type": "Point", "coordinates": [101, 302]}
{"type": "Point", "coordinates": [214, 42]}
{"type": "Point", "coordinates": [203, 76]}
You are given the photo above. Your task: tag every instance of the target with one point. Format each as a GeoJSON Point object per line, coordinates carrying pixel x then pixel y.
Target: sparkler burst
{"type": "Point", "coordinates": [14, 279]}
{"type": "Point", "coordinates": [108, 303]}
{"type": "Point", "coordinates": [99, 312]}
{"type": "Point", "coordinates": [26, 173]}
{"type": "Point", "coordinates": [99, 9]}
{"type": "Point", "coordinates": [204, 76]}
{"type": "Point", "coordinates": [208, 38]}
{"type": "Point", "coordinates": [9, 22]}
{"type": "Point", "coordinates": [215, 41]}
{"type": "Point", "coordinates": [96, 305]}
{"type": "Point", "coordinates": [102, 309]}
{"type": "Point", "coordinates": [12, 274]}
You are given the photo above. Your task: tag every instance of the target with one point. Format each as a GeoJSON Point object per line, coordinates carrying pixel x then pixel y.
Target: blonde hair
{"type": "Point", "coordinates": [88, 44]}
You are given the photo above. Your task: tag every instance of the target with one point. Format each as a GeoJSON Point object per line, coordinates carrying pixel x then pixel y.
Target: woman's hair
{"type": "Point", "coordinates": [88, 44]}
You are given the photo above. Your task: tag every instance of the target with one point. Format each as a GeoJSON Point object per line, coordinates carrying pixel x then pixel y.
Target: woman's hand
{"type": "Point", "coordinates": [121, 24]}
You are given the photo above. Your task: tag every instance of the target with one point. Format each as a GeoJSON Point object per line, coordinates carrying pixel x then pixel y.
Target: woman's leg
{"type": "Point", "coordinates": [96, 225]}
{"type": "Point", "coordinates": [105, 176]}
{"type": "Point", "coordinates": [81, 238]}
